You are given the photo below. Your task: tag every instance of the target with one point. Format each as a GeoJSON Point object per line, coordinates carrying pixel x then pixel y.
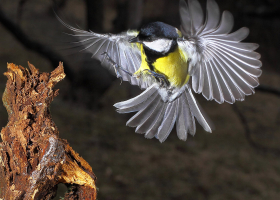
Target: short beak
{"type": "Point", "coordinates": [133, 40]}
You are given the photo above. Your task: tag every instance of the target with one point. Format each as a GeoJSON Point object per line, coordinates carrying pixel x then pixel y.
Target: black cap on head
{"type": "Point", "coordinates": [158, 30]}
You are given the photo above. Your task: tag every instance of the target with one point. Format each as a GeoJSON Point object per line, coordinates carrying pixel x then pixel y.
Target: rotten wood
{"type": "Point", "coordinates": [33, 159]}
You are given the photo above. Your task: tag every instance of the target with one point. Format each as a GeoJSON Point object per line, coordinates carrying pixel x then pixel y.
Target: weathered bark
{"type": "Point", "coordinates": [33, 159]}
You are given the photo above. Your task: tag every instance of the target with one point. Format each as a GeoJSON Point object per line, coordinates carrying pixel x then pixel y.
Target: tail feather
{"type": "Point", "coordinates": [138, 103]}
{"type": "Point", "coordinates": [144, 114]}
{"type": "Point", "coordinates": [149, 121]}
{"type": "Point", "coordinates": [157, 118]}
{"type": "Point", "coordinates": [185, 122]}
{"type": "Point", "coordinates": [138, 99]}
{"type": "Point", "coordinates": [181, 125]}
{"type": "Point", "coordinates": [156, 123]}
{"type": "Point", "coordinates": [168, 121]}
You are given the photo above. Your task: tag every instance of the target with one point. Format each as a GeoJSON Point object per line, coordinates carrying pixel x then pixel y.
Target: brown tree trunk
{"type": "Point", "coordinates": [33, 159]}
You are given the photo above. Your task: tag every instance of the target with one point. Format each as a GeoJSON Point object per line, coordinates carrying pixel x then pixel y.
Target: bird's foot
{"type": "Point", "coordinates": [160, 78]}
{"type": "Point", "coordinates": [116, 66]}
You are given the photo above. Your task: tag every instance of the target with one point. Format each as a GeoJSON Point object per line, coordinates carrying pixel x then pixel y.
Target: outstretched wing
{"type": "Point", "coordinates": [117, 46]}
{"type": "Point", "coordinates": [222, 68]}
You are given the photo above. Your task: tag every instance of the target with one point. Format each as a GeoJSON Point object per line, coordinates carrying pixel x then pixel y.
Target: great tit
{"type": "Point", "coordinates": [167, 63]}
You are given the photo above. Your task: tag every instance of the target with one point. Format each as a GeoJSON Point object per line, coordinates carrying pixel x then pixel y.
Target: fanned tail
{"type": "Point", "coordinates": [156, 118]}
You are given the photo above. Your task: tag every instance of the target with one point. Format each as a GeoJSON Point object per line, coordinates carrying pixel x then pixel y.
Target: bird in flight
{"type": "Point", "coordinates": [169, 63]}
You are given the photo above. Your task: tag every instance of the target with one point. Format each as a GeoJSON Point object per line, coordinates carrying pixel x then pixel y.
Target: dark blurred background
{"type": "Point", "coordinates": [239, 160]}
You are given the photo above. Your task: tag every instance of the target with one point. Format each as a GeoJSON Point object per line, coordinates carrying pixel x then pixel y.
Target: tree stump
{"type": "Point", "coordinates": [33, 159]}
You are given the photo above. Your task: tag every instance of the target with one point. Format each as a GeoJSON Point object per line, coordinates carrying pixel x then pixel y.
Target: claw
{"type": "Point", "coordinates": [159, 77]}
{"type": "Point", "coordinates": [121, 79]}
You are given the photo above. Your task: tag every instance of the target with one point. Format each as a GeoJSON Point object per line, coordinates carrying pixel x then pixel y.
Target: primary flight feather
{"type": "Point", "coordinates": [164, 60]}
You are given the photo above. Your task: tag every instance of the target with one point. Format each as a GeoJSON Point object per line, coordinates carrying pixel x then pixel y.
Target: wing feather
{"type": "Point", "coordinates": [117, 46]}
{"type": "Point", "coordinates": [225, 69]}
{"type": "Point", "coordinates": [213, 16]}
{"type": "Point", "coordinates": [195, 79]}
{"type": "Point", "coordinates": [201, 77]}
{"type": "Point", "coordinates": [238, 95]}
{"type": "Point", "coordinates": [185, 18]}
{"type": "Point", "coordinates": [207, 88]}
{"type": "Point", "coordinates": [217, 91]}
{"type": "Point", "coordinates": [234, 37]}
{"type": "Point", "coordinates": [196, 15]}
{"type": "Point", "coordinates": [226, 24]}
{"type": "Point", "coordinates": [226, 90]}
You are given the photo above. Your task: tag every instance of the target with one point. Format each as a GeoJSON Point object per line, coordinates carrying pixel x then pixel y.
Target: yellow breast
{"type": "Point", "coordinates": [174, 66]}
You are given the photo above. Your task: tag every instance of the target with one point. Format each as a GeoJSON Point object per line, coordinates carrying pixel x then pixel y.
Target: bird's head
{"type": "Point", "coordinates": [154, 31]}
{"type": "Point", "coordinates": [157, 36]}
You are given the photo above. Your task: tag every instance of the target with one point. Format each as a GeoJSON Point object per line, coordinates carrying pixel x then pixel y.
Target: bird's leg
{"type": "Point", "coordinates": [116, 66]}
{"type": "Point", "coordinates": [159, 77]}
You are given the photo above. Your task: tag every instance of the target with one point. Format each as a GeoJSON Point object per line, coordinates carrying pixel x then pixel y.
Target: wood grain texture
{"type": "Point", "coordinates": [33, 159]}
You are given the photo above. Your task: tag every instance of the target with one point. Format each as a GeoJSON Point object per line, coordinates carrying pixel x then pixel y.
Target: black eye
{"type": "Point", "coordinates": [149, 38]}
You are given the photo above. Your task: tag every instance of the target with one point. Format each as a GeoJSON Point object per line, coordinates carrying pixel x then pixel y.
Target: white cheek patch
{"type": "Point", "coordinates": [159, 45]}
